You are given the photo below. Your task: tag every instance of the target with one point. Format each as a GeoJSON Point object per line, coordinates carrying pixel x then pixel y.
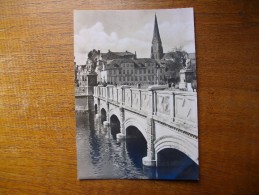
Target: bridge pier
{"type": "Point", "coordinates": [122, 134]}
{"type": "Point", "coordinates": [150, 160]}
{"type": "Point", "coordinates": [98, 115]}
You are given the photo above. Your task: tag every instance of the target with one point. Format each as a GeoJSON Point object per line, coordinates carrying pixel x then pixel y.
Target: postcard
{"type": "Point", "coordinates": [136, 94]}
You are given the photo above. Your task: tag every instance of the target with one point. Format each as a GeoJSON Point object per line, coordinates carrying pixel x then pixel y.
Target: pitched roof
{"type": "Point", "coordinates": [115, 55]}
{"type": "Point", "coordinates": [138, 63]}
{"type": "Point", "coordinates": [116, 63]}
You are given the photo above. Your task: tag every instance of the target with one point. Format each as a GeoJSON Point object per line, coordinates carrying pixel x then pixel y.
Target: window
{"type": "Point", "coordinates": [139, 71]}
{"type": "Point", "coordinates": [140, 78]}
{"type": "Point", "coordinates": [136, 78]}
{"type": "Point", "coordinates": [119, 71]}
{"type": "Point", "coordinates": [119, 78]}
{"type": "Point", "coordinates": [127, 71]}
{"type": "Point", "coordinates": [123, 71]}
{"type": "Point", "coordinates": [114, 71]}
{"type": "Point", "coordinates": [136, 71]}
{"type": "Point", "coordinates": [148, 71]}
{"type": "Point", "coordinates": [152, 71]}
{"type": "Point", "coordinates": [144, 78]}
{"type": "Point", "coordinates": [131, 71]}
{"type": "Point", "coordinates": [144, 71]}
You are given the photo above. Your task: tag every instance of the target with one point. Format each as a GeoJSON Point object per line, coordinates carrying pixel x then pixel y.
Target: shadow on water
{"type": "Point", "coordinates": [173, 164]}
{"type": "Point", "coordinates": [136, 145]}
{"type": "Point", "coordinates": [114, 126]}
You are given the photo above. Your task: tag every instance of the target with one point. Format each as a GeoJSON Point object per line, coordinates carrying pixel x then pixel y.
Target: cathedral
{"type": "Point", "coordinates": [124, 68]}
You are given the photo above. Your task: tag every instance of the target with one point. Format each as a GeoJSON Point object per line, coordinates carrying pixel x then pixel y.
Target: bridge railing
{"type": "Point", "coordinates": [164, 105]}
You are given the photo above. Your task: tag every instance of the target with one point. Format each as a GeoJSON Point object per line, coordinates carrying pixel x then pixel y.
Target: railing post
{"type": "Point", "coordinates": [131, 98]}
{"type": "Point", "coordinates": [140, 102]}
{"type": "Point", "coordinates": [173, 110]}
{"type": "Point", "coordinates": [117, 95]}
{"type": "Point", "coordinates": [107, 93]}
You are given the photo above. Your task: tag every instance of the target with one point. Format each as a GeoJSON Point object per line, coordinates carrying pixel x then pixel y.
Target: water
{"type": "Point", "coordinates": [101, 156]}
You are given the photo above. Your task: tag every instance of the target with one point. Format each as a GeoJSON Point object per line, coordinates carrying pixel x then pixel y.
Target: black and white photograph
{"type": "Point", "coordinates": [136, 94]}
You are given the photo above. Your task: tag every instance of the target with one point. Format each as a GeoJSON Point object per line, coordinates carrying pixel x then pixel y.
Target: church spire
{"type": "Point", "coordinates": [156, 49]}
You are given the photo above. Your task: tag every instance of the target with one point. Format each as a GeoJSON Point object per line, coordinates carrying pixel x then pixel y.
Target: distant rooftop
{"type": "Point", "coordinates": [117, 55]}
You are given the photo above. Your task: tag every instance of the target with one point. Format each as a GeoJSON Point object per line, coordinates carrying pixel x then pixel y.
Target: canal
{"type": "Point", "coordinates": [101, 156]}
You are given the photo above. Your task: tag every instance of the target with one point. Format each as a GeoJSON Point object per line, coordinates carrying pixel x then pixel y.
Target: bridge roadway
{"type": "Point", "coordinates": [167, 119]}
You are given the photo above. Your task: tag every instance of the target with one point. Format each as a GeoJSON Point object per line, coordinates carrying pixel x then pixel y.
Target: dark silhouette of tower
{"type": "Point", "coordinates": [156, 48]}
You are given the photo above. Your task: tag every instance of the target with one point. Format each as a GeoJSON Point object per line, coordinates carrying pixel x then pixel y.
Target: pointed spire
{"type": "Point", "coordinates": [156, 34]}
{"type": "Point", "coordinates": [156, 48]}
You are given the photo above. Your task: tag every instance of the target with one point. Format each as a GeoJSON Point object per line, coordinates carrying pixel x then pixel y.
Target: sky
{"type": "Point", "coordinates": [131, 30]}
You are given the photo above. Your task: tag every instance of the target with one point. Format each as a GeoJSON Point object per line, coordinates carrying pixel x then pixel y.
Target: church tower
{"type": "Point", "coordinates": [156, 48]}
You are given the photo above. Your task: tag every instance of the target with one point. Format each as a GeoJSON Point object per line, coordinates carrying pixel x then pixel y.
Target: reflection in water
{"type": "Point", "coordinates": [101, 156]}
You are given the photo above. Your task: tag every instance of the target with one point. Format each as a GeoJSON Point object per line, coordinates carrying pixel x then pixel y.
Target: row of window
{"type": "Point", "coordinates": [140, 71]}
{"type": "Point", "coordinates": [127, 65]}
{"type": "Point", "coordinates": [132, 65]}
{"type": "Point", "coordinates": [136, 78]}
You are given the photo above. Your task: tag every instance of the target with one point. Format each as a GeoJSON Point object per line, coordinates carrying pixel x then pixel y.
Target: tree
{"type": "Point", "coordinates": [174, 61]}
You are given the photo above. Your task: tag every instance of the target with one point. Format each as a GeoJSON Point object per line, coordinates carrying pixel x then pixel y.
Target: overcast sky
{"type": "Point", "coordinates": [131, 31]}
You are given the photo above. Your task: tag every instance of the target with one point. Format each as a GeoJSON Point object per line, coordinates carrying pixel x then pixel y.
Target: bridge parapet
{"type": "Point", "coordinates": [177, 108]}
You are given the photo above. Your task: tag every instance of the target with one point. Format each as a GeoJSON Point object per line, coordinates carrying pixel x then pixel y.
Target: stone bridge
{"type": "Point", "coordinates": [166, 119]}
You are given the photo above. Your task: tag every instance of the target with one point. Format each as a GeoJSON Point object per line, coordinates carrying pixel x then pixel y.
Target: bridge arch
{"type": "Point", "coordinates": [136, 145]}
{"type": "Point", "coordinates": [115, 125]}
{"type": "Point", "coordinates": [136, 123]}
{"type": "Point", "coordinates": [116, 113]}
{"type": "Point", "coordinates": [179, 143]}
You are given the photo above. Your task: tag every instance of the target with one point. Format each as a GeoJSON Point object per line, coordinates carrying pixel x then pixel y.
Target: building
{"type": "Point", "coordinates": [133, 71]}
